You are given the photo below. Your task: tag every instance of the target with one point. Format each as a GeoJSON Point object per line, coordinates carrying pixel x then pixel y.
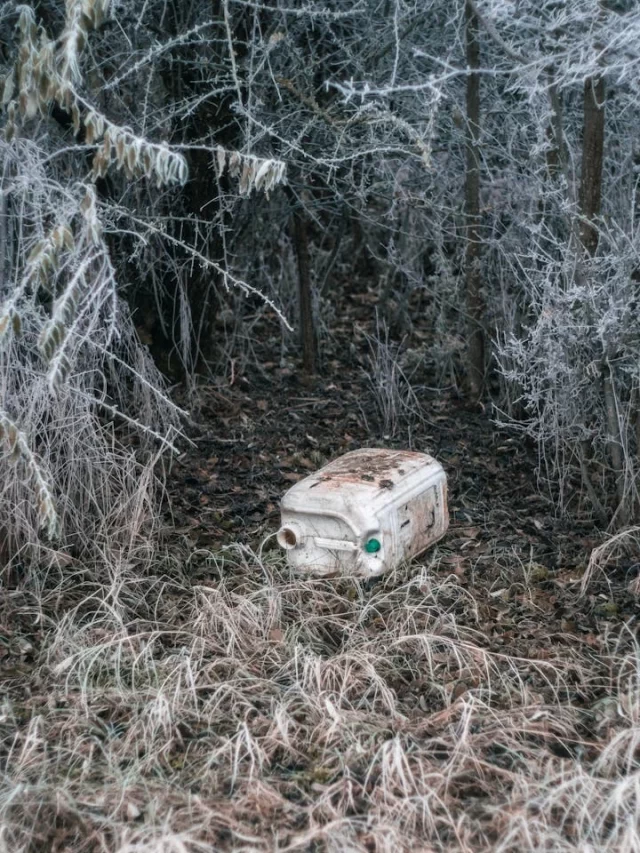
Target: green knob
{"type": "Point", "coordinates": [372, 546]}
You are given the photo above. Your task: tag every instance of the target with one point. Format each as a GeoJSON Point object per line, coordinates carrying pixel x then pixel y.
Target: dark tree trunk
{"type": "Point", "coordinates": [213, 122]}
{"type": "Point", "coordinates": [589, 201]}
{"type": "Point", "coordinates": [592, 154]}
{"type": "Point", "coordinates": [202, 283]}
{"type": "Point", "coordinates": [473, 280]}
{"type": "Point", "coordinates": [307, 327]}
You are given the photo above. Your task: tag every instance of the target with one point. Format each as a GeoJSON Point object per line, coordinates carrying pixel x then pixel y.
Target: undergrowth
{"type": "Point", "coordinates": [228, 704]}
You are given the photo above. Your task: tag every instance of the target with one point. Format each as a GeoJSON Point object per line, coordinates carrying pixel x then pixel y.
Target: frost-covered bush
{"type": "Point", "coordinates": [563, 246]}
{"type": "Point", "coordinates": [72, 371]}
{"type": "Point", "coordinates": [86, 175]}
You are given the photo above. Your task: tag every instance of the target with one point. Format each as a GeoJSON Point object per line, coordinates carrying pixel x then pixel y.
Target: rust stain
{"type": "Point", "coordinates": [417, 521]}
{"type": "Point", "coordinates": [366, 467]}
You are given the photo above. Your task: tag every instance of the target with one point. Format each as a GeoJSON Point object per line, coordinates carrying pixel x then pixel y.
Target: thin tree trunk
{"type": "Point", "coordinates": [589, 201]}
{"type": "Point", "coordinates": [598, 508]}
{"type": "Point", "coordinates": [202, 284]}
{"type": "Point", "coordinates": [307, 328]}
{"type": "Point", "coordinates": [592, 155]}
{"type": "Point", "coordinates": [558, 164]}
{"type": "Point", "coordinates": [614, 440]}
{"type": "Point", "coordinates": [473, 280]}
{"type": "Point", "coordinates": [5, 247]}
{"type": "Point", "coordinates": [636, 410]}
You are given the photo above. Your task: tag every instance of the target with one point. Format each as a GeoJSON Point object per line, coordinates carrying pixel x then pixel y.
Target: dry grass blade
{"type": "Point", "coordinates": [605, 555]}
{"type": "Point", "coordinates": [250, 710]}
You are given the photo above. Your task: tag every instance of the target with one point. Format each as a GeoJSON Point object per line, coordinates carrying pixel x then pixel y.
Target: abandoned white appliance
{"type": "Point", "coordinates": [364, 513]}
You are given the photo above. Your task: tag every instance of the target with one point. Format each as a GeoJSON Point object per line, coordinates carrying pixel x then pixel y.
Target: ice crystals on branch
{"type": "Point", "coordinates": [255, 173]}
{"type": "Point", "coordinates": [14, 444]}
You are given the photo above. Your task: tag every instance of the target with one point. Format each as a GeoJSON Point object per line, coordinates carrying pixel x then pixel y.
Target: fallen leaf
{"type": "Point", "coordinates": [470, 532]}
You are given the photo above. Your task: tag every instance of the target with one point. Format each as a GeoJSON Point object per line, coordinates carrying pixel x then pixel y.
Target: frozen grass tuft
{"type": "Point", "coordinates": [392, 393]}
{"type": "Point", "coordinates": [230, 705]}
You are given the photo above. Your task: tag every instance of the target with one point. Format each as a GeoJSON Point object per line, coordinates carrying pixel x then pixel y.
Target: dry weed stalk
{"type": "Point", "coordinates": [625, 542]}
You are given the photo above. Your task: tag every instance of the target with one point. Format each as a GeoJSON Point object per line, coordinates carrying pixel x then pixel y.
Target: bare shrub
{"type": "Point", "coordinates": [71, 369]}
{"type": "Point", "coordinates": [391, 391]}
{"type": "Point", "coordinates": [83, 409]}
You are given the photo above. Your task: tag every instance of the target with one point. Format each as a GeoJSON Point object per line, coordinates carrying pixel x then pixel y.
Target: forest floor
{"type": "Point", "coordinates": [478, 699]}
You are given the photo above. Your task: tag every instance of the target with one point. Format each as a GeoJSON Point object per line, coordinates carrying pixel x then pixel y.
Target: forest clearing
{"type": "Point", "coordinates": [237, 241]}
{"type": "Point", "coordinates": [210, 699]}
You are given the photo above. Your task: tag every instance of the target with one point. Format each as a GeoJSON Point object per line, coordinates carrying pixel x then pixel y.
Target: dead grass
{"type": "Point", "coordinates": [228, 705]}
